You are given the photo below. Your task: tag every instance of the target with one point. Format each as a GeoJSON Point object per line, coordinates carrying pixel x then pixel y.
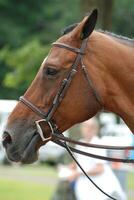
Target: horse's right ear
{"type": "Point", "coordinates": [88, 24]}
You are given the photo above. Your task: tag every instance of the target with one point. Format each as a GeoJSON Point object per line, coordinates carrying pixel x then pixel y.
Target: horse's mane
{"type": "Point", "coordinates": [122, 39]}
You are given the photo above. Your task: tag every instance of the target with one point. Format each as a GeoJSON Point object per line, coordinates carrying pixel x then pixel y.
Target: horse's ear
{"type": "Point", "coordinates": [88, 24]}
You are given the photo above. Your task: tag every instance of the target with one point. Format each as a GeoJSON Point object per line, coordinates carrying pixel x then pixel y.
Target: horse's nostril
{"type": "Point", "coordinates": [6, 139]}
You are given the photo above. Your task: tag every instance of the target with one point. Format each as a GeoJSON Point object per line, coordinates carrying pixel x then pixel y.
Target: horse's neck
{"type": "Point", "coordinates": [114, 71]}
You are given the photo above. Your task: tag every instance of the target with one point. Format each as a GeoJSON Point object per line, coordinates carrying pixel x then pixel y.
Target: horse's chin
{"type": "Point", "coordinates": [30, 154]}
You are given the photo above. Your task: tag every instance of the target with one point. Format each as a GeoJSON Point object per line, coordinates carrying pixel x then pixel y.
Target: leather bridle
{"type": "Point", "coordinates": [47, 118]}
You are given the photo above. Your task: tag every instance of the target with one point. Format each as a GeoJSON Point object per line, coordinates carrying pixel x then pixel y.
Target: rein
{"type": "Point", "coordinates": [47, 120]}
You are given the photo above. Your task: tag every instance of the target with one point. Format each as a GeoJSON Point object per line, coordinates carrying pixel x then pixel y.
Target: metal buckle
{"type": "Point", "coordinates": [40, 131]}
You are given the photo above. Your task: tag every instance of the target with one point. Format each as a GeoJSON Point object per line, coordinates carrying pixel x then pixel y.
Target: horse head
{"type": "Point", "coordinates": [21, 139]}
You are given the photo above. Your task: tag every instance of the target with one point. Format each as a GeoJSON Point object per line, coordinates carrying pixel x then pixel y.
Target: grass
{"type": "Point", "coordinates": [131, 181]}
{"type": "Point", "coordinates": [19, 183]}
{"type": "Point", "coordinates": [19, 190]}
{"type": "Point", "coordinates": [131, 185]}
{"type": "Point", "coordinates": [37, 170]}
{"type": "Point", "coordinates": [35, 183]}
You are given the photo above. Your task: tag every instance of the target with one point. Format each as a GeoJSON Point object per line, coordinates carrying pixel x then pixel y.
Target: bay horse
{"type": "Point", "coordinates": [86, 71]}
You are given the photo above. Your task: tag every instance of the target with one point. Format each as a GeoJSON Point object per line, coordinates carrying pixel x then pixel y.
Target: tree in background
{"type": "Point", "coordinates": [123, 16]}
{"type": "Point", "coordinates": [105, 8]}
{"type": "Point", "coordinates": [27, 27]}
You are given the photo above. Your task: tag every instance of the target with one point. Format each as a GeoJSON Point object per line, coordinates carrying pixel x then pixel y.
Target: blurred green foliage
{"type": "Point", "coordinates": [24, 62]}
{"type": "Point", "coordinates": [28, 19]}
{"type": "Point", "coordinates": [123, 16]}
{"type": "Point", "coordinates": [27, 29]}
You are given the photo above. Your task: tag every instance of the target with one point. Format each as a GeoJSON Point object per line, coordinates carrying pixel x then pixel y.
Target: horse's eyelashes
{"type": "Point", "coordinates": [49, 71]}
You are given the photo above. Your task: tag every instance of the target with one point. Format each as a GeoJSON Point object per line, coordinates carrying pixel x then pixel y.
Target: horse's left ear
{"type": "Point", "coordinates": [89, 24]}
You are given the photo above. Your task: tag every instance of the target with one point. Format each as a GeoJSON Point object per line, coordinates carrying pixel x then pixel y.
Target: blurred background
{"type": "Point", "coordinates": [27, 30]}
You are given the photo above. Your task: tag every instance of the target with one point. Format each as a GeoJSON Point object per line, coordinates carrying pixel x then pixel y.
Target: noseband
{"type": "Point", "coordinates": [47, 120]}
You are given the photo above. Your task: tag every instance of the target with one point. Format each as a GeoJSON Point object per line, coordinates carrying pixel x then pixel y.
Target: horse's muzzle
{"type": "Point", "coordinates": [12, 153]}
{"type": "Point", "coordinates": [23, 150]}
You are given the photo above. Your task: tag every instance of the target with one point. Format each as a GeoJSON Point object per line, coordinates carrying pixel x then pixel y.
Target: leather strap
{"type": "Point", "coordinates": [61, 137]}
{"type": "Point", "coordinates": [68, 47]}
{"type": "Point", "coordinates": [122, 160]}
{"type": "Point", "coordinates": [34, 108]}
{"type": "Point", "coordinates": [85, 173]}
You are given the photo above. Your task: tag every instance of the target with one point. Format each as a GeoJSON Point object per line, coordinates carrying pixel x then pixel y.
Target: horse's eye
{"type": "Point", "coordinates": [51, 71]}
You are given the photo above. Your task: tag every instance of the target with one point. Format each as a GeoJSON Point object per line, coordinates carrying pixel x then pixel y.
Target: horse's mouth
{"type": "Point", "coordinates": [30, 153]}
{"type": "Point", "coordinates": [27, 153]}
